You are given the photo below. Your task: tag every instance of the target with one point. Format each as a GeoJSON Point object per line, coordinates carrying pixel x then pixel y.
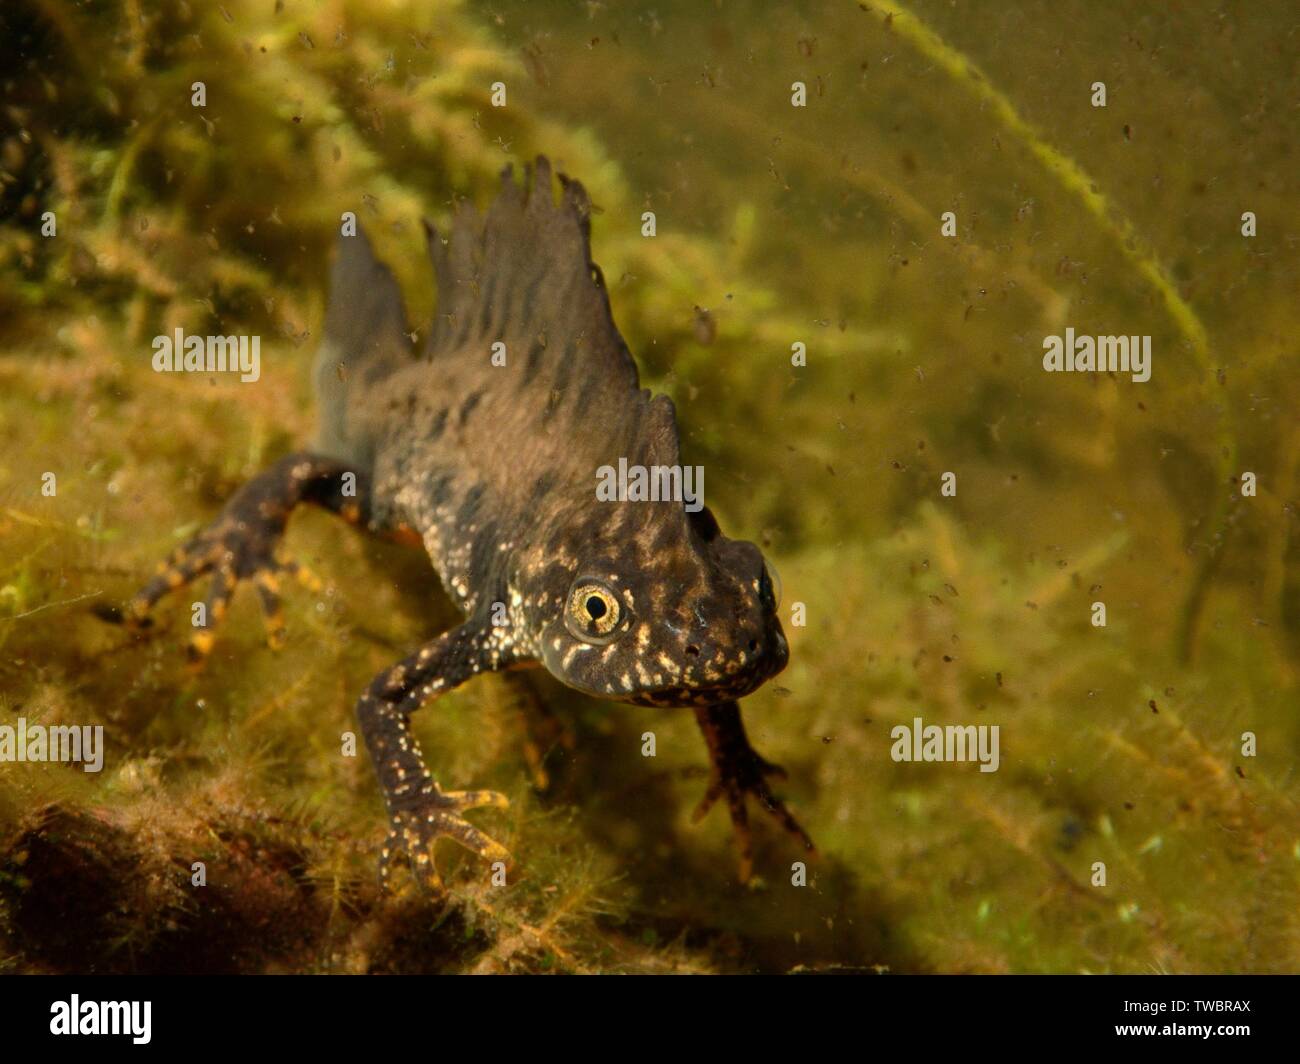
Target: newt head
{"type": "Point", "coordinates": [676, 614]}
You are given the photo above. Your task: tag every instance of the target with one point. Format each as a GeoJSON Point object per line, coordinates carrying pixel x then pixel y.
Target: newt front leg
{"type": "Point", "coordinates": [242, 544]}
{"type": "Point", "coordinates": [739, 772]}
{"type": "Point", "coordinates": [420, 812]}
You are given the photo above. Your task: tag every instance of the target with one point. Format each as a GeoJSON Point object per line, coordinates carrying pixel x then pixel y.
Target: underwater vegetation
{"type": "Point", "coordinates": [1161, 746]}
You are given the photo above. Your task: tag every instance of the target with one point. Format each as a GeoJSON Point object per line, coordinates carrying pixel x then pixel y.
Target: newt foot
{"type": "Point", "coordinates": [242, 544]}
{"type": "Point", "coordinates": [414, 831]}
{"type": "Point", "coordinates": [737, 778]}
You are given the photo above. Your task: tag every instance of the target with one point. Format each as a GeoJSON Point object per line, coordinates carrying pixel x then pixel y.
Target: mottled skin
{"type": "Point", "coordinates": [493, 467]}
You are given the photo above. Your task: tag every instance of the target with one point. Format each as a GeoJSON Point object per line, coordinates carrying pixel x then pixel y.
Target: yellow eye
{"type": "Point", "coordinates": [594, 612]}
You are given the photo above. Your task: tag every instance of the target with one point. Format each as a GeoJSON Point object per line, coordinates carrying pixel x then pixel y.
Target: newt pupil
{"type": "Point", "coordinates": [595, 607]}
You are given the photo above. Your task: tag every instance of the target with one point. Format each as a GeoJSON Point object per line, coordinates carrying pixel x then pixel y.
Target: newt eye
{"type": "Point", "coordinates": [594, 612]}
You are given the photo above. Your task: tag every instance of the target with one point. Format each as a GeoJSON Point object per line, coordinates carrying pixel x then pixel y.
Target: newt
{"type": "Point", "coordinates": [490, 463]}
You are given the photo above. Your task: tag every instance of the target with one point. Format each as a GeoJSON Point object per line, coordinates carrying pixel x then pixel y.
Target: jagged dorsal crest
{"type": "Point", "coordinates": [521, 273]}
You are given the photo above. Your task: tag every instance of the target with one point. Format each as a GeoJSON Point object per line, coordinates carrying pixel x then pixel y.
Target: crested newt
{"type": "Point", "coordinates": [490, 464]}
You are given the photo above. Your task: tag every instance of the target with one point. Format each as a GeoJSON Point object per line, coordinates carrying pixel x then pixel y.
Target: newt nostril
{"type": "Point", "coordinates": [753, 645]}
{"type": "Point", "coordinates": [692, 650]}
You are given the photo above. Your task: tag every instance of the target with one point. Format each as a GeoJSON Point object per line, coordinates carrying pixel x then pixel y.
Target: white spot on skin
{"type": "Point", "coordinates": [574, 651]}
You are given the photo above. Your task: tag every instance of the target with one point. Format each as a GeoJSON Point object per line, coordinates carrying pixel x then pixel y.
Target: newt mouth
{"type": "Point", "coordinates": [703, 696]}
{"type": "Point", "coordinates": [729, 690]}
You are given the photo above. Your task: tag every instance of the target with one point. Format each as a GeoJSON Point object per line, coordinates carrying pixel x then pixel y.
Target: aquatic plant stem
{"type": "Point", "coordinates": [1133, 247]}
